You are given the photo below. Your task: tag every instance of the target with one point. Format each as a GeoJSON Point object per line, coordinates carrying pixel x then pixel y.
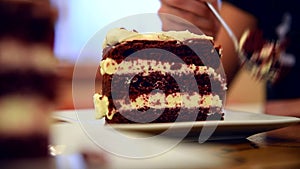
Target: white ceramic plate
{"type": "Point", "coordinates": [236, 125]}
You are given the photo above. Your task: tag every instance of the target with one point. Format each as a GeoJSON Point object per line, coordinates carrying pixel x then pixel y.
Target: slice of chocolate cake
{"type": "Point", "coordinates": [159, 77]}
{"type": "Point", "coordinates": [28, 79]}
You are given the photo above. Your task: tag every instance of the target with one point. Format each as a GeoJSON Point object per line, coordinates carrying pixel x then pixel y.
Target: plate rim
{"type": "Point", "coordinates": [237, 129]}
{"type": "Point", "coordinates": [288, 120]}
{"type": "Point", "coordinates": [277, 119]}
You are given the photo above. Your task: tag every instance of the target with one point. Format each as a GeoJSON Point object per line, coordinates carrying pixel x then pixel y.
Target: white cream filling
{"type": "Point", "coordinates": [101, 105]}
{"type": "Point", "coordinates": [160, 101]}
{"type": "Point", "coordinates": [157, 101]}
{"type": "Point", "coordinates": [119, 35]}
{"type": "Point", "coordinates": [109, 66]}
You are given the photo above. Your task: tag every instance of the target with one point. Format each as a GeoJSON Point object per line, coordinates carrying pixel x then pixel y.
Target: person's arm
{"type": "Point", "coordinates": [198, 13]}
{"type": "Point", "coordinates": [289, 107]}
{"type": "Point", "coordinates": [239, 21]}
{"type": "Point", "coordinates": [194, 11]}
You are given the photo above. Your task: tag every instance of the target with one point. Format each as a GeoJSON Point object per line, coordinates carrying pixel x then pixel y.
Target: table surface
{"type": "Point", "coordinates": [280, 148]}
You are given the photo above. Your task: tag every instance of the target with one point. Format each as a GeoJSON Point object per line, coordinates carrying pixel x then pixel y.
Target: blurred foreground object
{"type": "Point", "coordinates": [28, 77]}
{"type": "Point", "coordinates": [30, 21]}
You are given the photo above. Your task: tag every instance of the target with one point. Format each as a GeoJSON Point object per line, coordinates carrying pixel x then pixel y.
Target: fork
{"type": "Point", "coordinates": [262, 66]}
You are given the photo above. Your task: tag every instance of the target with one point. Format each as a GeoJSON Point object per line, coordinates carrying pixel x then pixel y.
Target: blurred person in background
{"type": "Point", "coordinates": [278, 21]}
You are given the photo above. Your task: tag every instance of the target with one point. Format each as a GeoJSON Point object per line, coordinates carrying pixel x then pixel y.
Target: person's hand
{"type": "Point", "coordinates": [284, 107]}
{"type": "Point", "coordinates": [196, 12]}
